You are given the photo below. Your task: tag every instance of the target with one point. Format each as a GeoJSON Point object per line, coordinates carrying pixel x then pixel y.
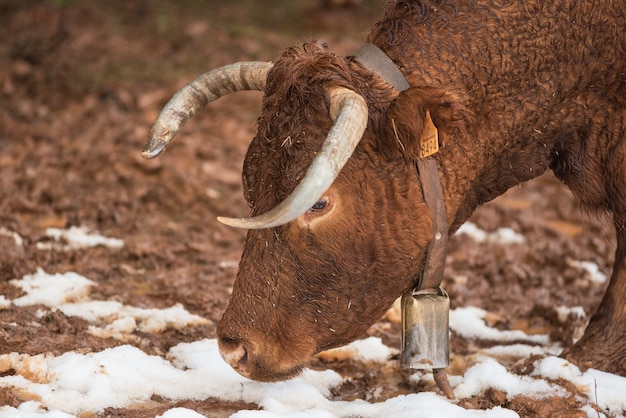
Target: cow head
{"type": "Point", "coordinates": [339, 225]}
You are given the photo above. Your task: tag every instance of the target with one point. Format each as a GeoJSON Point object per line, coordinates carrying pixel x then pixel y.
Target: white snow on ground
{"type": "Point", "coordinates": [370, 349]}
{"type": "Point", "coordinates": [69, 293]}
{"type": "Point", "coordinates": [4, 303]}
{"type": "Point", "coordinates": [124, 375]}
{"type": "Point", "coordinates": [76, 238]}
{"type": "Point", "coordinates": [51, 290]}
{"type": "Point", "coordinates": [490, 373]}
{"type": "Point", "coordinates": [605, 389]}
{"type": "Point", "coordinates": [503, 236]}
{"type": "Point", "coordinates": [563, 312]}
{"type": "Point", "coordinates": [469, 323]}
{"type": "Point", "coordinates": [6, 233]}
{"type": "Point", "coordinates": [595, 275]}
{"type": "Point", "coordinates": [76, 383]}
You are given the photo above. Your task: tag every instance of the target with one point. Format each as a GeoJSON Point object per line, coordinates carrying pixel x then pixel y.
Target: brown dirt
{"type": "Point", "coordinates": [80, 83]}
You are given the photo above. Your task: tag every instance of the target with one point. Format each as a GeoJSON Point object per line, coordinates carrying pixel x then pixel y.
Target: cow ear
{"type": "Point", "coordinates": [419, 121]}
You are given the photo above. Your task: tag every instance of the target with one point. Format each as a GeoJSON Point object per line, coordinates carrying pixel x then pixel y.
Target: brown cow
{"type": "Point", "coordinates": [340, 224]}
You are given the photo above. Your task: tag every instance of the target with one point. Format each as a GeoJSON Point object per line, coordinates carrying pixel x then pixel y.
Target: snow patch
{"type": "Point", "coordinates": [504, 236]}
{"type": "Point", "coordinates": [605, 389]}
{"type": "Point", "coordinates": [563, 312]}
{"type": "Point", "coordinates": [490, 373]}
{"type": "Point", "coordinates": [19, 241]}
{"type": "Point", "coordinates": [469, 323]}
{"type": "Point", "coordinates": [4, 302]}
{"type": "Point", "coordinates": [77, 238]}
{"type": "Point", "coordinates": [86, 383]}
{"type": "Point", "coordinates": [180, 413]}
{"type": "Point", "coordinates": [595, 275]}
{"type": "Point", "coordinates": [121, 376]}
{"type": "Point", "coordinates": [125, 375]}
{"type": "Point", "coordinates": [515, 350]}
{"type": "Point", "coordinates": [149, 320]}
{"type": "Point", "coordinates": [69, 293]}
{"type": "Point", "coordinates": [51, 290]}
{"type": "Point", "coordinates": [370, 349]}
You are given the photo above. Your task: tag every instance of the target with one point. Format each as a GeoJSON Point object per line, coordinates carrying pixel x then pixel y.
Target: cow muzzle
{"type": "Point", "coordinates": [265, 362]}
{"type": "Point", "coordinates": [235, 354]}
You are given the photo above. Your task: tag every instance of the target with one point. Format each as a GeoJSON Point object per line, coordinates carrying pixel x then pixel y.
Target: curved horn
{"type": "Point", "coordinates": [349, 111]}
{"type": "Point", "coordinates": [197, 94]}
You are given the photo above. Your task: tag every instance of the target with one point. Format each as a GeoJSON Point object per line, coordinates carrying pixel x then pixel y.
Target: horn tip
{"type": "Point", "coordinates": [234, 222]}
{"type": "Point", "coordinates": [154, 146]}
{"type": "Point", "coordinates": [148, 155]}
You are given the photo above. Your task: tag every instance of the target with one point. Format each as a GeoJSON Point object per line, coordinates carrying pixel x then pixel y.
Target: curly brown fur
{"type": "Point", "coordinates": [514, 87]}
{"type": "Point", "coordinates": [295, 117]}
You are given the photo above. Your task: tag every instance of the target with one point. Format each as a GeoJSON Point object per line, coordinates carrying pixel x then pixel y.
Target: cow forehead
{"type": "Point", "coordinates": [293, 124]}
{"type": "Point", "coordinates": [290, 131]}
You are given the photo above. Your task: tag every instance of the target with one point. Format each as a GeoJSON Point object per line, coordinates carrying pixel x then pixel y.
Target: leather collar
{"type": "Point", "coordinates": [374, 59]}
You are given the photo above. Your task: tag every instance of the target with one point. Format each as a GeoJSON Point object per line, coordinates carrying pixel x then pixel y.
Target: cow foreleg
{"type": "Point", "coordinates": [603, 346]}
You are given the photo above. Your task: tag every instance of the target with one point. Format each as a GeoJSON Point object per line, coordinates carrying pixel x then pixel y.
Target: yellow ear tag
{"type": "Point", "coordinates": [429, 141]}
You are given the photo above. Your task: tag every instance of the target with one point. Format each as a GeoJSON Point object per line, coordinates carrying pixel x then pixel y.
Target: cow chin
{"type": "Point", "coordinates": [264, 362]}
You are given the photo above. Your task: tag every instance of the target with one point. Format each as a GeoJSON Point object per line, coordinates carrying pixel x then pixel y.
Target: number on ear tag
{"type": "Point", "coordinates": [429, 140]}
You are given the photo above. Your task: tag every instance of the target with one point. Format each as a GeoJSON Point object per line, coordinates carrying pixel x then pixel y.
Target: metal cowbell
{"type": "Point", "coordinates": [425, 329]}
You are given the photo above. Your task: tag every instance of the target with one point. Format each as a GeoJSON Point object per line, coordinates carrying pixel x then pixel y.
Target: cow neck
{"type": "Point", "coordinates": [375, 60]}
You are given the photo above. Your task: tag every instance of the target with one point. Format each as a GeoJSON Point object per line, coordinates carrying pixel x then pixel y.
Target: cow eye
{"type": "Point", "coordinates": [321, 208]}
{"type": "Point", "coordinates": [319, 205]}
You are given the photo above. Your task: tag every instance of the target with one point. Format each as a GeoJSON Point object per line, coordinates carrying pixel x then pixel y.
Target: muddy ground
{"type": "Point", "coordinates": [80, 83]}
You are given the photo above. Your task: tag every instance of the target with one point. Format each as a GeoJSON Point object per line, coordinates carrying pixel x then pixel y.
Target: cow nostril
{"type": "Point", "coordinates": [234, 352]}
{"type": "Point", "coordinates": [226, 343]}
{"type": "Point", "coordinates": [243, 361]}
